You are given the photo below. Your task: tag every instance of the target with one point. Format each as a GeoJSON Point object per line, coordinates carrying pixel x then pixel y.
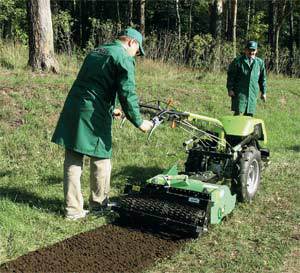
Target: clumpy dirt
{"type": "Point", "coordinates": [110, 248]}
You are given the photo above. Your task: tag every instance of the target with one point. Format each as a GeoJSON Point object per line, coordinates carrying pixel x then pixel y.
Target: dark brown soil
{"type": "Point", "coordinates": [110, 248]}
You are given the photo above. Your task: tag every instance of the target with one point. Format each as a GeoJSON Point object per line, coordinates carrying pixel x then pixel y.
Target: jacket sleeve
{"type": "Point", "coordinates": [126, 91]}
{"type": "Point", "coordinates": [231, 75]}
{"type": "Point", "coordinates": [262, 81]}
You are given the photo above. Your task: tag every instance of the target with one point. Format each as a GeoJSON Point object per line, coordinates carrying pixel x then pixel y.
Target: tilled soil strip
{"type": "Point", "coordinates": [110, 248]}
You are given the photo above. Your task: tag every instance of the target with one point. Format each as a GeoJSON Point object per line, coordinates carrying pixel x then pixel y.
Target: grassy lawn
{"type": "Point", "coordinates": [259, 237]}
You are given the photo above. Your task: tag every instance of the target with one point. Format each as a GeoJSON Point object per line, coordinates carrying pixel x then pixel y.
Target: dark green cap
{"type": "Point", "coordinates": [134, 34]}
{"type": "Point", "coordinates": [251, 45]}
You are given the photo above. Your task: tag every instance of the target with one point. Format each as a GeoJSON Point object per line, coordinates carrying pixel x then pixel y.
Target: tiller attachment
{"type": "Point", "coordinates": [175, 201]}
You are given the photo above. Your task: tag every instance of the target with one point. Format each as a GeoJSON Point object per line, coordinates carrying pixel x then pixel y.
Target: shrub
{"type": "Point", "coordinates": [101, 32]}
{"type": "Point", "coordinates": [62, 24]}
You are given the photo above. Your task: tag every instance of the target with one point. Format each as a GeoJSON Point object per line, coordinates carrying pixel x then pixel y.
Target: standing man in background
{"type": "Point", "coordinates": [246, 76]}
{"type": "Point", "coordinates": [85, 123]}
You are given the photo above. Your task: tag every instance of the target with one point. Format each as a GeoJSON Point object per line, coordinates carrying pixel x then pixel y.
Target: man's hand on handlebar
{"type": "Point", "coordinates": [146, 126]}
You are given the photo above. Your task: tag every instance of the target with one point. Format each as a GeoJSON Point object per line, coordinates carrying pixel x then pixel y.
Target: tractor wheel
{"type": "Point", "coordinates": [247, 175]}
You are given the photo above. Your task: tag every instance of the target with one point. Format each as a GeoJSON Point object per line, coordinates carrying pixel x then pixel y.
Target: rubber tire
{"type": "Point", "coordinates": [251, 156]}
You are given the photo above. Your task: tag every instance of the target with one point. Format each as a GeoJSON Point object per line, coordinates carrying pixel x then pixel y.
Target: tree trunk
{"type": "Point", "coordinates": [41, 48]}
{"type": "Point", "coordinates": [276, 50]}
{"type": "Point", "coordinates": [85, 29]}
{"type": "Point", "coordinates": [130, 12]}
{"type": "Point", "coordinates": [298, 34]}
{"type": "Point", "coordinates": [178, 19]}
{"type": "Point", "coordinates": [118, 16]}
{"type": "Point", "coordinates": [291, 38]}
{"type": "Point", "coordinates": [253, 10]}
{"type": "Point", "coordinates": [142, 17]}
{"type": "Point", "coordinates": [227, 21]}
{"type": "Point", "coordinates": [272, 28]}
{"type": "Point", "coordinates": [77, 23]}
{"type": "Point", "coordinates": [187, 54]}
{"type": "Point", "coordinates": [233, 20]}
{"type": "Point", "coordinates": [231, 34]}
{"type": "Point", "coordinates": [248, 18]}
{"type": "Point", "coordinates": [216, 31]}
{"type": "Point", "coordinates": [190, 19]}
{"type": "Point", "coordinates": [216, 18]}
{"type": "Point", "coordinates": [280, 6]}
{"type": "Point", "coordinates": [271, 18]}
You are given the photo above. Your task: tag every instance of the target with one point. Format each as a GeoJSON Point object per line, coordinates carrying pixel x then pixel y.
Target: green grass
{"type": "Point", "coordinates": [257, 237]}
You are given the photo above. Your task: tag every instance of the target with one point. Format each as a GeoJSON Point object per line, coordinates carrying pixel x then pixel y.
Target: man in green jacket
{"type": "Point", "coordinates": [85, 123]}
{"type": "Point", "coordinates": [246, 76]}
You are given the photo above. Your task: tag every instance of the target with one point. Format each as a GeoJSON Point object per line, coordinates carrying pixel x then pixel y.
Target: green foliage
{"type": "Point", "coordinates": [295, 64]}
{"type": "Point", "coordinates": [258, 28]}
{"type": "Point", "coordinates": [13, 20]}
{"type": "Point", "coordinates": [201, 51]}
{"type": "Point", "coordinates": [62, 25]}
{"type": "Point", "coordinates": [7, 8]}
{"type": "Point", "coordinates": [13, 55]}
{"type": "Point", "coordinates": [167, 47]}
{"type": "Point", "coordinates": [198, 53]}
{"type": "Point", "coordinates": [101, 32]}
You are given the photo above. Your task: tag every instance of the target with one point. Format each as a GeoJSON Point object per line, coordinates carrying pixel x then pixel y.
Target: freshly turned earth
{"type": "Point", "coordinates": [110, 248]}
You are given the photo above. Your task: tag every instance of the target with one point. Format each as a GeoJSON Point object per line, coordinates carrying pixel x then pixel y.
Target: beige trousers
{"type": "Point", "coordinates": [100, 170]}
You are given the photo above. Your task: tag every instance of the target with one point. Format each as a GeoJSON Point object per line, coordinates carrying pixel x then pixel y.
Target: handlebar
{"type": "Point", "coordinates": [189, 122]}
{"type": "Point", "coordinates": [161, 115]}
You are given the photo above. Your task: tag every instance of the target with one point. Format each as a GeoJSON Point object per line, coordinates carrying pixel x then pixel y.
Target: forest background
{"type": "Point", "coordinates": [203, 34]}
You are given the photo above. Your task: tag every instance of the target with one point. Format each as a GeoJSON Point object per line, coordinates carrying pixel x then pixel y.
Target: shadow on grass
{"type": "Point", "coordinates": [55, 205]}
{"type": "Point", "coordinates": [295, 148]}
{"type": "Point", "coordinates": [6, 64]}
{"type": "Point", "coordinates": [294, 93]}
{"type": "Point", "coordinates": [134, 174]}
{"type": "Point", "coordinates": [52, 180]}
{"type": "Point", "coordinates": [23, 196]}
{"type": "Point", "coordinates": [5, 173]}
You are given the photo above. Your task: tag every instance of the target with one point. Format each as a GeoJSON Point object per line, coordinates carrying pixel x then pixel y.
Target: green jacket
{"type": "Point", "coordinates": [246, 81]}
{"type": "Point", "coordinates": [85, 123]}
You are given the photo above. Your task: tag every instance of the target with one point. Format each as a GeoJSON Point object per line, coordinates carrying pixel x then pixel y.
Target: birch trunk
{"type": "Point", "coordinates": [216, 31]}
{"type": "Point", "coordinates": [248, 18]}
{"type": "Point", "coordinates": [142, 17]}
{"type": "Point", "coordinates": [130, 13]}
{"type": "Point", "coordinates": [178, 19]}
{"type": "Point", "coordinates": [291, 38]}
{"type": "Point", "coordinates": [233, 19]}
